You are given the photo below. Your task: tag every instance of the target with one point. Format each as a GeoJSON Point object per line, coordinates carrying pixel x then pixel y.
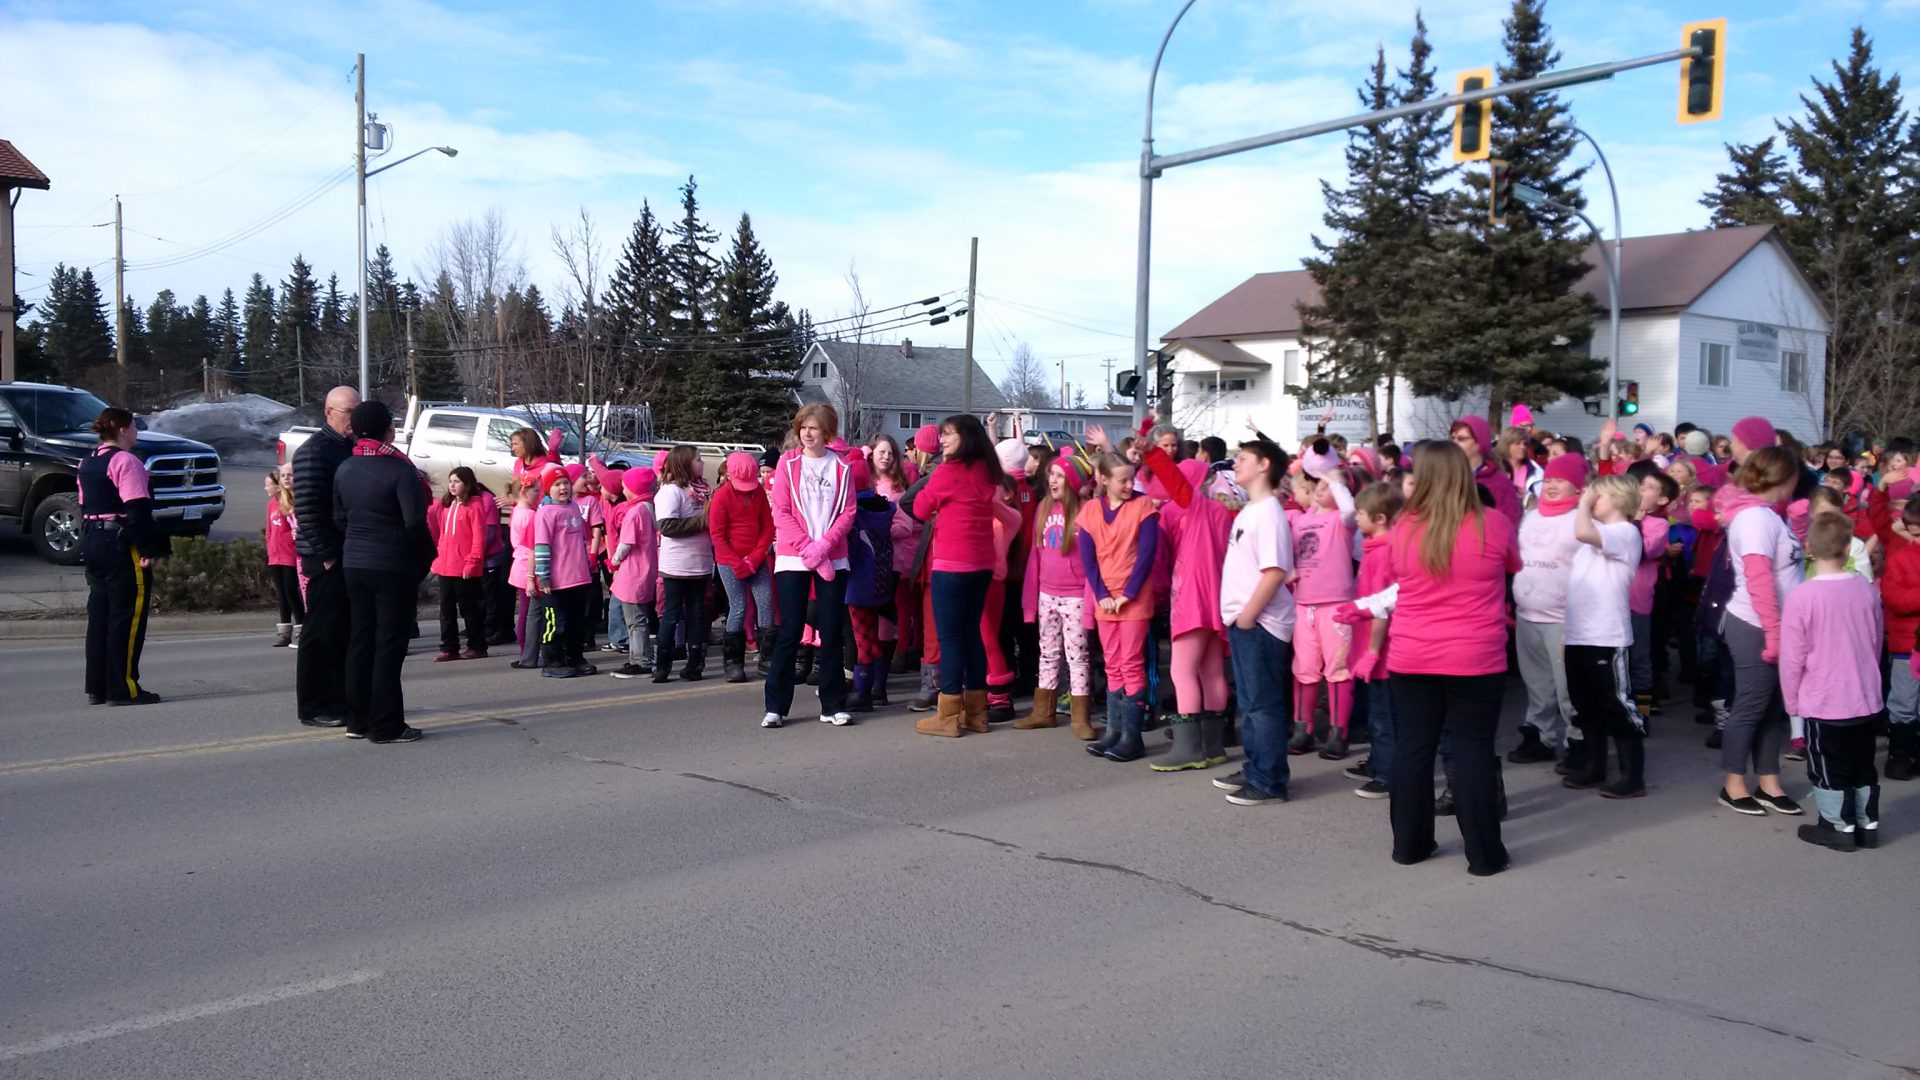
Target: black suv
{"type": "Point", "coordinates": [44, 434]}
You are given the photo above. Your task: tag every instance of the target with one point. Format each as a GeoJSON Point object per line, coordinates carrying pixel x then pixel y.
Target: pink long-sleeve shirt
{"type": "Point", "coordinates": [1653, 537]}
{"type": "Point", "coordinates": [1830, 648]}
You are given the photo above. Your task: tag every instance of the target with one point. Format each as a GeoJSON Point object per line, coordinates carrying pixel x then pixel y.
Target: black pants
{"type": "Point", "coordinates": [564, 630]}
{"type": "Point", "coordinates": [118, 600]}
{"type": "Point", "coordinates": [790, 590]}
{"type": "Point", "coordinates": [461, 600]}
{"type": "Point", "coordinates": [500, 600]}
{"type": "Point", "coordinates": [1840, 754]}
{"type": "Point", "coordinates": [1467, 708]}
{"type": "Point", "coordinates": [286, 588]}
{"type": "Point", "coordinates": [381, 605]}
{"type": "Point", "coordinates": [1598, 687]}
{"type": "Point", "coordinates": [320, 671]}
{"type": "Point", "coordinates": [683, 613]}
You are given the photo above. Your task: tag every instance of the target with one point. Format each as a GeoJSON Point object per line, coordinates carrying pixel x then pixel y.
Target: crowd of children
{"type": "Point", "coordinates": [1269, 588]}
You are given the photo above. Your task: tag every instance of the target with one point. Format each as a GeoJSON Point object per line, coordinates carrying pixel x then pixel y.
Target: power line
{"type": "Point", "coordinates": [1038, 314]}
{"type": "Point", "coordinates": [286, 210]}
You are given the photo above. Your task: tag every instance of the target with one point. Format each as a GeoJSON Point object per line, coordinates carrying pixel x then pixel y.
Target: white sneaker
{"type": "Point", "coordinates": [839, 719]}
{"type": "Point", "coordinates": [773, 719]}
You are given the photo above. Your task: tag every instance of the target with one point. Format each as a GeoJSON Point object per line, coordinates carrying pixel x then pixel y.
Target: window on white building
{"type": "Point", "coordinates": [1793, 372]}
{"type": "Point", "coordinates": [1073, 426]}
{"type": "Point", "coordinates": [1290, 367]}
{"type": "Point", "coordinates": [911, 421]}
{"type": "Point", "coordinates": [1235, 386]}
{"type": "Point", "coordinates": [1715, 364]}
{"type": "Point", "coordinates": [819, 369]}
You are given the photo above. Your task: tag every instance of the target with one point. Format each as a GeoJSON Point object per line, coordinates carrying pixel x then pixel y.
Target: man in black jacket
{"type": "Point", "coordinates": [321, 669]}
{"type": "Point", "coordinates": [380, 507]}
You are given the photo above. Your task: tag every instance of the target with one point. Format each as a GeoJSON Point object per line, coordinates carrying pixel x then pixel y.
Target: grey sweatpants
{"type": "Point", "coordinates": [1543, 667]}
{"type": "Point", "coordinates": [1757, 726]}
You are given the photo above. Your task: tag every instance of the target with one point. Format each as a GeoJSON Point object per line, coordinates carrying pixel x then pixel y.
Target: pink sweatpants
{"type": "Point", "coordinates": [1320, 645]}
{"type": "Point", "coordinates": [1063, 635]}
{"type": "Point", "coordinates": [1199, 672]}
{"type": "Point", "coordinates": [1124, 641]}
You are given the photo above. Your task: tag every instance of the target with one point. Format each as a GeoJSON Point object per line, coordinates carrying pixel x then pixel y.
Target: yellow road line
{"type": "Point", "coordinates": [459, 719]}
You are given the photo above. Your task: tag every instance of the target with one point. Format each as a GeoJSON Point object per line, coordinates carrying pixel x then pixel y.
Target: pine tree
{"type": "Point", "coordinates": [139, 344]}
{"type": "Point", "coordinates": [227, 333]}
{"type": "Point", "coordinates": [436, 376]}
{"type": "Point", "coordinates": [196, 341]}
{"type": "Point", "coordinates": [753, 361]}
{"type": "Point", "coordinates": [688, 399]}
{"type": "Point", "coordinates": [1752, 193]}
{"type": "Point", "coordinates": [1500, 313]}
{"type": "Point", "coordinates": [691, 268]}
{"type": "Point", "coordinates": [256, 345]}
{"type": "Point", "coordinates": [296, 335]}
{"type": "Point", "coordinates": [1855, 229]}
{"type": "Point", "coordinates": [637, 307]}
{"type": "Point", "coordinates": [76, 333]}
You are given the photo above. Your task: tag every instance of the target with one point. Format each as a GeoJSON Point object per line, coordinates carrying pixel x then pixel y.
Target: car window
{"type": "Point", "coordinates": [6, 414]}
{"type": "Point", "coordinates": [500, 435]}
{"type": "Point", "coordinates": [49, 412]}
{"type": "Point", "coordinates": [450, 429]}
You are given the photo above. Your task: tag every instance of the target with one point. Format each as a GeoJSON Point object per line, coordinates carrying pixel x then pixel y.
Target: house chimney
{"type": "Point", "coordinates": [906, 347]}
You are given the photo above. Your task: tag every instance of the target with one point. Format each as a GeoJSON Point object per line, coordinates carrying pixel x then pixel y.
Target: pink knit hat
{"type": "Point", "coordinates": [1755, 433]}
{"type": "Point", "coordinates": [575, 471]}
{"type": "Point", "coordinates": [1319, 464]}
{"type": "Point", "coordinates": [1569, 467]}
{"type": "Point", "coordinates": [927, 439]}
{"type": "Point", "coordinates": [660, 461]}
{"type": "Point", "coordinates": [641, 482]}
{"type": "Point", "coordinates": [744, 470]}
{"type": "Point", "coordinates": [1071, 469]}
{"type": "Point", "coordinates": [1367, 458]}
{"type": "Point", "coordinates": [1013, 456]}
{"type": "Point", "coordinates": [1522, 417]}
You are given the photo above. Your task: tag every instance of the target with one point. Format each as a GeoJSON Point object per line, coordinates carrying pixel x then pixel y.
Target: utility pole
{"type": "Point", "coordinates": [360, 177]}
{"type": "Point", "coordinates": [500, 354]}
{"type": "Point", "coordinates": [1108, 365]}
{"type": "Point", "coordinates": [973, 276]}
{"type": "Point", "coordinates": [300, 366]}
{"type": "Point", "coordinates": [119, 293]}
{"type": "Point", "coordinates": [1063, 383]}
{"type": "Point", "coordinates": [413, 380]}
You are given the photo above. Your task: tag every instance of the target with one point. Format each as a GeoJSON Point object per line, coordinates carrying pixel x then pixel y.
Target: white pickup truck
{"type": "Point", "coordinates": [441, 435]}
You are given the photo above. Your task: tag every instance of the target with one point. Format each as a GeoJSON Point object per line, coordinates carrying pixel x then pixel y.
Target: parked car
{"type": "Point", "coordinates": [44, 435]}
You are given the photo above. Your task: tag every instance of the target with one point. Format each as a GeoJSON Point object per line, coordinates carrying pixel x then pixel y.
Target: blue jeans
{"type": "Point", "coordinates": [958, 601]}
{"type": "Point", "coordinates": [1380, 723]}
{"type": "Point", "coordinates": [761, 583]}
{"type": "Point", "coordinates": [1263, 685]}
{"type": "Point", "coordinates": [616, 622]}
{"type": "Point", "coordinates": [1640, 656]}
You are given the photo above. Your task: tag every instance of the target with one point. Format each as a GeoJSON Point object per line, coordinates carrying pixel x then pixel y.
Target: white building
{"type": "Point", "coordinates": [1715, 325]}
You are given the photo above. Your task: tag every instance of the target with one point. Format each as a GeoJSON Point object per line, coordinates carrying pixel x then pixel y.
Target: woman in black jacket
{"type": "Point", "coordinates": [380, 505]}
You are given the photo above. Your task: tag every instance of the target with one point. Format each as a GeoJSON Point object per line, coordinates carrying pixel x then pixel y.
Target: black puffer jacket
{"type": "Point", "coordinates": [313, 467]}
{"type": "Point", "coordinates": [382, 516]}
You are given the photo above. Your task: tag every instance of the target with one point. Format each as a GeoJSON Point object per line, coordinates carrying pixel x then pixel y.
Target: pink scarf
{"type": "Point", "coordinates": [376, 448]}
{"type": "Point", "coordinates": [1556, 507]}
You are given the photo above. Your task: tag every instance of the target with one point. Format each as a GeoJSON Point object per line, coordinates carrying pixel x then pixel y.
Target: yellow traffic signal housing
{"type": "Point", "coordinates": [1703, 79]}
{"type": "Point", "coordinates": [1473, 122]}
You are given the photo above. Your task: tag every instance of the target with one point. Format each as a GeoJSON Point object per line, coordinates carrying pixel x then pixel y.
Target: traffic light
{"type": "Point", "coordinates": [1703, 78]}
{"type": "Point", "coordinates": [1630, 400]}
{"type": "Point", "coordinates": [1127, 384]}
{"type": "Point", "coordinates": [1473, 122]}
{"type": "Point", "coordinates": [1499, 192]}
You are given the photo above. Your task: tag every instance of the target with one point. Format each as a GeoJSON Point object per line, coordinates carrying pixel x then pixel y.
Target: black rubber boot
{"type": "Point", "coordinates": [1593, 763]}
{"type": "Point", "coordinates": [1531, 750]}
{"type": "Point", "coordinates": [803, 673]}
{"type": "Point", "coordinates": [764, 641]}
{"type": "Point", "coordinates": [861, 701]}
{"type": "Point", "coordinates": [1213, 737]}
{"type": "Point", "coordinates": [733, 657]}
{"type": "Point", "coordinates": [696, 667]}
{"type": "Point", "coordinates": [1575, 759]}
{"type": "Point", "coordinates": [1188, 746]}
{"type": "Point", "coordinates": [1302, 741]}
{"type": "Point", "coordinates": [1100, 746]}
{"type": "Point", "coordinates": [1633, 769]}
{"type": "Point", "coordinates": [1133, 718]}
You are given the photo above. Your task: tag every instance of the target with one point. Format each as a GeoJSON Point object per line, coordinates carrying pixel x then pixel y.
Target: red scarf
{"type": "Point", "coordinates": [376, 448]}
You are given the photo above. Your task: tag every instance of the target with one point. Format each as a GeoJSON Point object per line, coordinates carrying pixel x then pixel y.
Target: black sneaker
{"type": "Point", "coordinates": [144, 697]}
{"type": "Point", "coordinates": [584, 669]}
{"type": "Point", "coordinates": [630, 671]}
{"type": "Point", "coordinates": [407, 734]}
{"type": "Point", "coordinates": [556, 671]}
{"type": "Point", "coordinates": [1335, 748]}
{"type": "Point", "coordinates": [1530, 752]}
{"type": "Point", "coordinates": [325, 721]}
{"type": "Point", "coordinates": [1823, 834]}
{"type": "Point", "coordinates": [100, 699]}
{"type": "Point", "coordinates": [1747, 805]}
{"type": "Point", "coordinates": [1372, 789]}
{"type": "Point", "coordinates": [1443, 806]}
{"type": "Point", "coordinates": [1247, 796]}
{"type": "Point", "coordinates": [1867, 836]}
{"type": "Point", "coordinates": [1359, 771]}
{"type": "Point", "coordinates": [522, 665]}
{"type": "Point", "coordinates": [1779, 804]}
{"type": "Point", "coordinates": [1232, 782]}
{"type": "Point", "coordinates": [1713, 740]}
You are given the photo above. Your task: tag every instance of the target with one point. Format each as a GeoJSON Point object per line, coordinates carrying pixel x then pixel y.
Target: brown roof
{"type": "Point", "coordinates": [17, 171]}
{"type": "Point", "coordinates": [1658, 274]}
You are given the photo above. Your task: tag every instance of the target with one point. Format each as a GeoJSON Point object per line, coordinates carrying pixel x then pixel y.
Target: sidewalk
{"type": "Point", "coordinates": [72, 625]}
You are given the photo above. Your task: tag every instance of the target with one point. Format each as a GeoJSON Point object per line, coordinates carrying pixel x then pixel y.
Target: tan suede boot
{"type": "Point", "coordinates": [1042, 714]}
{"type": "Point", "coordinates": [946, 721]}
{"type": "Point", "coordinates": [975, 719]}
{"type": "Point", "coordinates": [1082, 706]}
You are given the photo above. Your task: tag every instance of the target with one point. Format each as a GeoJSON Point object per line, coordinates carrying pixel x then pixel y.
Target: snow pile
{"type": "Point", "coordinates": [242, 427]}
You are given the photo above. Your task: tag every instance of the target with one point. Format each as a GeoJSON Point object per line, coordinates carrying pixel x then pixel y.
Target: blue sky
{"type": "Point", "coordinates": [876, 135]}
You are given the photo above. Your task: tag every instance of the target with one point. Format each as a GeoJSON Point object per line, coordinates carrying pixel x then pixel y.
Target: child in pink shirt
{"type": "Point", "coordinates": [1657, 492]}
{"type": "Point", "coordinates": [526, 501]}
{"type": "Point", "coordinates": [1323, 580]}
{"type": "Point", "coordinates": [563, 571]}
{"type": "Point", "coordinates": [1830, 637]}
{"type": "Point", "coordinates": [283, 561]}
{"type": "Point", "coordinates": [634, 566]}
{"type": "Point", "coordinates": [1055, 598]}
{"type": "Point", "coordinates": [1374, 511]}
{"type": "Point", "coordinates": [1196, 528]}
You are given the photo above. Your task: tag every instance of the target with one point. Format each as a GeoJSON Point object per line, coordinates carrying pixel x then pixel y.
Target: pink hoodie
{"type": "Point", "coordinates": [1491, 474]}
{"type": "Point", "coordinates": [790, 533]}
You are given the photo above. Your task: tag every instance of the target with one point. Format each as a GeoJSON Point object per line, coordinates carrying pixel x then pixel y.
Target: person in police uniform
{"type": "Point", "coordinates": [117, 544]}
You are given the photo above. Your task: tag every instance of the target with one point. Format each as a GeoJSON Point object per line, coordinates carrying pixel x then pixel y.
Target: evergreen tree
{"type": "Point", "coordinates": [139, 345]}
{"type": "Point", "coordinates": [1499, 311]}
{"type": "Point", "coordinates": [688, 398]}
{"type": "Point", "coordinates": [227, 333]}
{"type": "Point", "coordinates": [753, 362]}
{"type": "Point", "coordinates": [638, 303]}
{"type": "Point", "coordinates": [1752, 193]}
{"type": "Point", "coordinates": [1855, 228]}
{"type": "Point", "coordinates": [691, 268]}
{"type": "Point", "coordinates": [531, 322]}
{"type": "Point", "coordinates": [436, 376]}
{"type": "Point", "coordinates": [258, 316]}
{"type": "Point", "coordinates": [296, 338]}
{"type": "Point", "coordinates": [196, 341]}
{"type": "Point", "coordinates": [76, 332]}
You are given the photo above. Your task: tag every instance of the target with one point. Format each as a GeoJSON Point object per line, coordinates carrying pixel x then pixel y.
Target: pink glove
{"type": "Point", "coordinates": [1352, 614]}
{"type": "Point", "coordinates": [1770, 654]}
{"type": "Point", "coordinates": [1376, 667]}
{"type": "Point", "coordinates": [825, 569]}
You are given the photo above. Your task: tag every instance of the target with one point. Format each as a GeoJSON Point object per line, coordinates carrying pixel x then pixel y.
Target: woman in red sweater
{"type": "Point", "coordinates": [963, 491]}
{"type": "Point", "coordinates": [1450, 558]}
{"type": "Point", "coordinates": [740, 520]}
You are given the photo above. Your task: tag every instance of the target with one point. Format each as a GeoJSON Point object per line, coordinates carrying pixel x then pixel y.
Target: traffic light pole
{"type": "Point", "coordinates": [1152, 165]}
{"type": "Point", "coordinates": [1619, 250]}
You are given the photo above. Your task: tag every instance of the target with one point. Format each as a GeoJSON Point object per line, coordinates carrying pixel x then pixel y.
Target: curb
{"type": "Point", "coordinates": [72, 626]}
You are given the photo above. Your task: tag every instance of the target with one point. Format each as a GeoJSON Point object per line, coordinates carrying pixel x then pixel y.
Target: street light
{"type": "Point", "coordinates": [1147, 174]}
{"type": "Point", "coordinates": [376, 136]}
{"type": "Point", "coordinates": [1619, 240]}
{"type": "Point", "coordinates": [1533, 196]}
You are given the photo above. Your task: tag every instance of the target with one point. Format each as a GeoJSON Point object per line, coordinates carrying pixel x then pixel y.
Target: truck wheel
{"type": "Point", "coordinates": [56, 528]}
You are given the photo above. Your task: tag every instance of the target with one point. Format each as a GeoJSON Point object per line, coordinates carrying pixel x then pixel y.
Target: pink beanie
{"type": "Point", "coordinates": [1071, 469]}
{"type": "Point", "coordinates": [575, 471]}
{"type": "Point", "coordinates": [1318, 465]}
{"type": "Point", "coordinates": [1569, 467]}
{"type": "Point", "coordinates": [1013, 456]}
{"type": "Point", "coordinates": [1368, 458]}
{"type": "Point", "coordinates": [1755, 433]}
{"type": "Point", "coordinates": [927, 439]}
{"type": "Point", "coordinates": [1522, 417]}
{"type": "Point", "coordinates": [660, 461]}
{"type": "Point", "coordinates": [744, 470]}
{"type": "Point", "coordinates": [641, 482]}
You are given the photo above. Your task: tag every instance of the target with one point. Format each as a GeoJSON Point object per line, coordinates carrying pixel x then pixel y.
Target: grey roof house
{"type": "Point", "coordinates": [893, 388]}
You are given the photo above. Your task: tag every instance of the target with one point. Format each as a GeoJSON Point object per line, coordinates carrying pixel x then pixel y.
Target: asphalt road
{"type": "Point", "coordinates": [604, 879]}
{"type": "Point", "coordinates": [35, 582]}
